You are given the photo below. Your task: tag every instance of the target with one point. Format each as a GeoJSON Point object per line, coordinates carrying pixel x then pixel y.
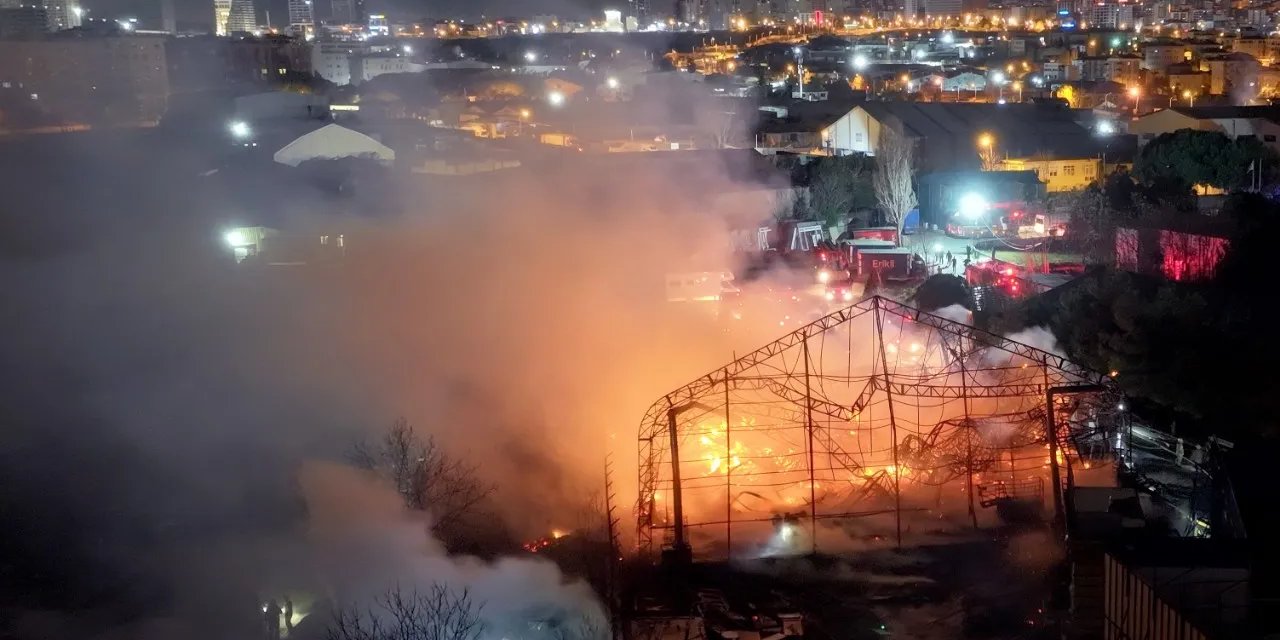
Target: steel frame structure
{"type": "Point", "coordinates": [785, 383]}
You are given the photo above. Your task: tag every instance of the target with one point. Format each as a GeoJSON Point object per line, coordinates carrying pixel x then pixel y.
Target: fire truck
{"type": "Point", "coordinates": [974, 217]}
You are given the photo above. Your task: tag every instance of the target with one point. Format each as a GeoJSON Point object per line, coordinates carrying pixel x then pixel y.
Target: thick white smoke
{"type": "Point", "coordinates": [367, 544]}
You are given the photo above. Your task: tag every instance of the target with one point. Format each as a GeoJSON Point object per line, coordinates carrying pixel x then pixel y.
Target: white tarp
{"type": "Point", "coordinates": [331, 142]}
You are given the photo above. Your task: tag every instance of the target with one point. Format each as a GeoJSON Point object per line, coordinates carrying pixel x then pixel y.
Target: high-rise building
{"type": "Point", "coordinates": [243, 17]}
{"type": "Point", "coordinates": [301, 16]}
{"type": "Point", "coordinates": [63, 14]}
{"type": "Point", "coordinates": [221, 12]}
{"type": "Point", "coordinates": [68, 75]}
{"type": "Point", "coordinates": [639, 9]}
{"type": "Point", "coordinates": [954, 8]}
{"type": "Point", "coordinates": [347, 11]}
{"type": "Point", "coordinates": [23, 21]}
{"type": "Point", "coordinates": [168, 17]}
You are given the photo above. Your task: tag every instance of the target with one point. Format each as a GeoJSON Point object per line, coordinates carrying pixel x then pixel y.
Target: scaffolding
{"type": "Point", "coordinates": [871, 409]}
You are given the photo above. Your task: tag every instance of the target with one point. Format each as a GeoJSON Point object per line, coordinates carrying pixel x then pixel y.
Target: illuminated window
{"type": "Point", "coordinates": [1069, 170]}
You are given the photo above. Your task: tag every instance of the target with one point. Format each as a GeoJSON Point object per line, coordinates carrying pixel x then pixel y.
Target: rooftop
{"type": "Point", "coordinates": [1019, 129]}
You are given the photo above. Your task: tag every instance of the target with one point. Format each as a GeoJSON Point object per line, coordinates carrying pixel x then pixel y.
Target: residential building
{"type": "Point", "coordinates": [168, 17]}
{"type": "Point", "coordinates": [640, 10]}
{"type": "Point", "coordinates": [1257, 47]}
{"type": "Point", "coordinates": [109, 79]}
{"type": "Point", "coordinates": [1122, 69]}
{"type": "Point", "coordinates": [63, 14]}
{"type": "Point", "coordinates": [198, 64]}
{"type": "Point", "coordinates": [1058, 174]}
{"type": "Point", "coordinates": [1060, 72]}
{"type": "Point", "coordinates": [1236, 122]}
{"type": "Point", "coordinates": [1110, 15]}
{"type": "Point", "coordinates": [346, 11]}
{"type": "Point", "coordinates": [23, 21]}
{"type": "Point", "coordinates": [301, 16]}
{"type": "Point", "coordinates": [221, 12]}
{"type": "Point", "coordinates": [943, 7]}
{"type": "Point", "coordinates": [1188, 77]}
{"type": "Point", "coordinates": [949, 131]}
{"type": "Point", "coordinates": [1234, 74]}
{"type": "Point", "coordinates": [1157, 57]}
{"type": "Point", "coordinates": [243, 17]}
{"type": "Point", "coordinates": [344, 63]}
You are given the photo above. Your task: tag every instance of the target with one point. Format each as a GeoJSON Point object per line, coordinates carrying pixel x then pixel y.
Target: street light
{"type": "Point", "coordinates": [240, 129]}
{"type": "Point", "coordinates": [556, 98]}
{"type": "Point", "coordinates": [1190, 97]}
{"type": "Point", "coordinates": [1135, 93]}
{"type": "Point", "coordinates": [859, 62]}
{"type": "Point", "coordinates": [612, 82]}
{"type": "Point", "coordinates": [987, 151]}
{"type": "Point", "coordinates": [530, 56]}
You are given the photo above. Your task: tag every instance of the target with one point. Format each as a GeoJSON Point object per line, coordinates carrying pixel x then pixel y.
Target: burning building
{"type": "Point", "coordinates": [865, 423]}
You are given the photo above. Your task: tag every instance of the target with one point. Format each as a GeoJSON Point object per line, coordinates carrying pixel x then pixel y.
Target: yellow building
{"type": "Point", "coordinates": [1058, 174]}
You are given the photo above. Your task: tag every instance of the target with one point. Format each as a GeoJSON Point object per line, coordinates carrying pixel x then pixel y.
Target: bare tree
{"type": "Point", "coordinates": [895, 164]}
{"type": "Point", "coordinates": [423, 473]}
{"type": "Point", "coordinates": [438, 614]}
{"type": "Point", "coordinates": [838, 186]}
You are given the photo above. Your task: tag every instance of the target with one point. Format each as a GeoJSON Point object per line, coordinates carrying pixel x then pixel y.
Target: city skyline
{"type": "Point", "coordinates": [189, 13]}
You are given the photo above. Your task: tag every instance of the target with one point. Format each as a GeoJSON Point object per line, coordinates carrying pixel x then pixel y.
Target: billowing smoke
{"type": "Point", "coordinates": [368, 545]}
{"type": "Point", "coordinates": [163, 397]}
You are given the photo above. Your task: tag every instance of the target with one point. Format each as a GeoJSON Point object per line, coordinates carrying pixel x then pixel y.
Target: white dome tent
{"type": "Point", "coordinates": [332, 142]}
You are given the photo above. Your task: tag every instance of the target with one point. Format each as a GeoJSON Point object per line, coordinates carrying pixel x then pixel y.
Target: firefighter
{"type": "Point", "coordinates": [271, 619]}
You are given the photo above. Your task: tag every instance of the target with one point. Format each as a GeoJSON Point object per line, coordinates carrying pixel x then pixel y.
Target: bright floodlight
{"type": "Point", "coordinates": [530, 56]}
{"type": "Point", "coordinates": [556, 98]}
{"type": "Point", "coordinates": [240, 129]}
{"type": "Point", "coordinates": [948, 37]}
{"type": "Point", "coordinates": [1106, 128]}
{"type": "Point", "coordinates": [998, 77]}
{"type": "Point", "coordinates": [972, 205]}
{"type": "Point", "coordinates": [859, 62]}
{"type": "Point", "coordinates": [408, 49]}
{"type": "Point", "coordinates": [236, 238]}
{"type": "Point", "coordinates": [612, 82]}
